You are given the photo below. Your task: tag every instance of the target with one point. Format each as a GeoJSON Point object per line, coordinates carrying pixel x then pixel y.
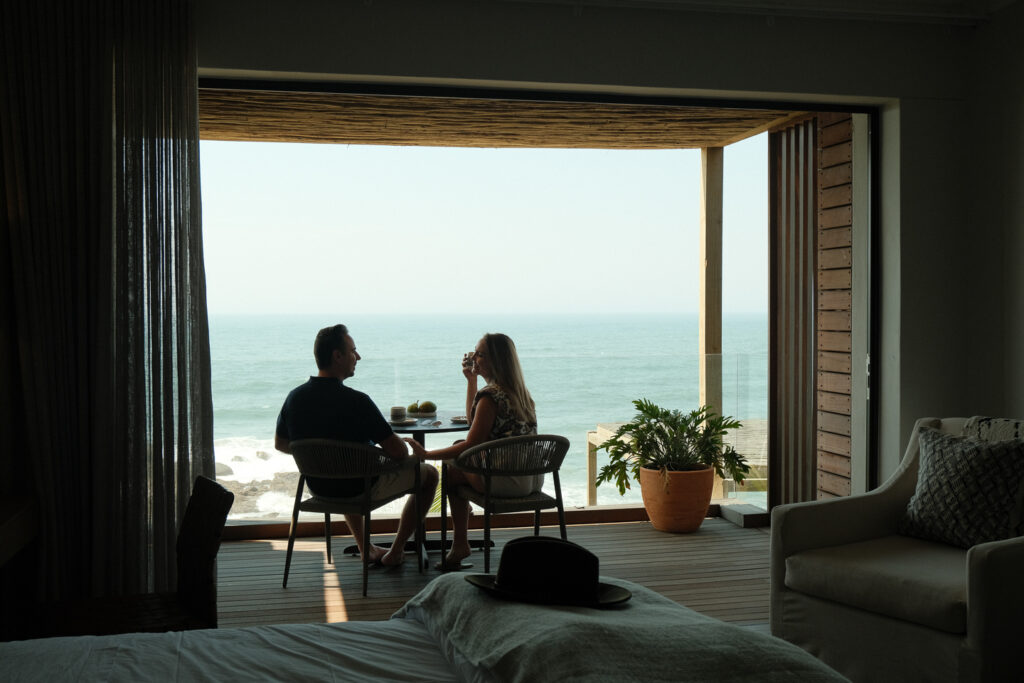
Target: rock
{"type": "Point", "coordinates": [285, 482]}
{"type": "Point", "coordinates": [248, 494]}
{"type": "Point", "coordinates": [263, 455]}
{"type": "Point", "coordinates": [223, 470]}
{"type": "Point", "coordinates": [245, 505]}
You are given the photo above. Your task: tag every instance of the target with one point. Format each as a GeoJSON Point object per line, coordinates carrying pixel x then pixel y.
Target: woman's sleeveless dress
{"type": "Point", "coordinates": [507, 423]}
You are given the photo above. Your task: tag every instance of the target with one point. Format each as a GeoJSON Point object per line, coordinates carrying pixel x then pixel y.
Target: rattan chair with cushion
{"type": "Point", "coordinates": [382, 477]}
{"type": "Point", "coordinates": [192, 606]}
{"type": "Point", "coordinates": [517, 456]}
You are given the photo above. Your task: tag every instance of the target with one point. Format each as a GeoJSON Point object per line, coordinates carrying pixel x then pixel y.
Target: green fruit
{"type": "Point", "coordinates": [413, 408]}
{"type": "Point", "coordinates": [428, 407]}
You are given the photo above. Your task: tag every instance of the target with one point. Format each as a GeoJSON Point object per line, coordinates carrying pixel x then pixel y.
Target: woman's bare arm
{"type": "Point", "coordinates": [479, 432]}
{"type": "Point", "coordinates": [470, 374]}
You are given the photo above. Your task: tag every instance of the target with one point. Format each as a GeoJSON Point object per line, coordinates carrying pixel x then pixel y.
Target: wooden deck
{"type": "Point", "coordinates": [721, 571]}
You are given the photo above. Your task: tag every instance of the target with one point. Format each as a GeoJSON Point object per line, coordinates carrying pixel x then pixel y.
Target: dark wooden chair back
{"type": "Point", "coordinates": [192, 606]}
{"type": "Point", "coordinates": [198, 543]}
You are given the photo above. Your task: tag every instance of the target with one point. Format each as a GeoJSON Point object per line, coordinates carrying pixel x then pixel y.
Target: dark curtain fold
{"type": "Point", "coordinates": [106, 369]}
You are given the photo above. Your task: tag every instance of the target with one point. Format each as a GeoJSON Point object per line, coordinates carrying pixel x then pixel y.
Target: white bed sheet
{"type": "Point", "coordinates": [395, 650]}
{"type": "Point", "coordinates": [449, 631]}
{"type": "Point", "coordinates": [645, 640]}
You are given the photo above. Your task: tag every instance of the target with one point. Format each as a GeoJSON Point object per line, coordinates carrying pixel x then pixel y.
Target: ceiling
{"type": "Point", "coordinates": [955, 12]}
{"type": "Point", "coordinates": [347, 118]}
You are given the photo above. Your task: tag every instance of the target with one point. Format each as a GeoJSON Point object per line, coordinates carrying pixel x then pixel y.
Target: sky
{"type": "Point", "coordinates": [315, 228]}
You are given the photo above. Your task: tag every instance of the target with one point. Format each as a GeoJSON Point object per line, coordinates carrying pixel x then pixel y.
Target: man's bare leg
{"type": "Point", "coordinates": [355, 525]}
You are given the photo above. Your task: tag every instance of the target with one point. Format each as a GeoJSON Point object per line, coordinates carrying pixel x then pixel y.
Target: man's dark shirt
{"type": "Point", "coordinates": [324, 408]}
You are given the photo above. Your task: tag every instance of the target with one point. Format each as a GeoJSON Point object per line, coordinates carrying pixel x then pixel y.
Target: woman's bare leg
{"type": "Point", "coordinates": [460, 515]}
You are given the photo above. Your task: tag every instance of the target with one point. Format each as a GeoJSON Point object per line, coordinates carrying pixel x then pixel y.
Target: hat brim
{"type": "Point", "coordinates": [607, 594]}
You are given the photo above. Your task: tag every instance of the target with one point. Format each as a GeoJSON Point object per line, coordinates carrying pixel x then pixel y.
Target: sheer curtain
{"type": "Point", "coordinates": [106, 368]}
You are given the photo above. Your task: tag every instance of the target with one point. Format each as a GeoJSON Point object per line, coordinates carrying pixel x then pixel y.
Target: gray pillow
{"type": "Point", "coordinates": [968, 491]}
{"type": "Point", "coordinates": [993, 428]}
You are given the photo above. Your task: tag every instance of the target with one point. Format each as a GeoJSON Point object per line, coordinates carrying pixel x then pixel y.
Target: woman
{"type": "Point", "coordinates": [502, 408]}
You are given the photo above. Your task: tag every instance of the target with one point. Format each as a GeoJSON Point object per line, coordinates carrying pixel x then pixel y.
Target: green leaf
{"type": "Point", "coordinates": [670, 440]}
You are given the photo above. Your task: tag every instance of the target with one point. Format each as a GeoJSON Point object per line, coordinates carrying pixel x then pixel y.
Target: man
{"type": "Point", "coordinates": [324, 408]}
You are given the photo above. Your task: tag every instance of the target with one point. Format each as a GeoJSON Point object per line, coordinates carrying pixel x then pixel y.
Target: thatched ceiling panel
{"type": "Point", "coordinates": [461, 122]}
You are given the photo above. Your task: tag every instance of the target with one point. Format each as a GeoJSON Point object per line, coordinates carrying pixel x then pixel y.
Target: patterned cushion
{"type": "Point", "coordinates": [993, 428]}
{"type": "Point", "coordinates": [968, 491]}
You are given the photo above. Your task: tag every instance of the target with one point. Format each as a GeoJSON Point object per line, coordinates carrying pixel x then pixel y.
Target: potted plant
{"type": "Point", "coordinates": [675, 457]}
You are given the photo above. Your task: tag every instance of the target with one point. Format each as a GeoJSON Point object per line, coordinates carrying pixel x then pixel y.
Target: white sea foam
{"type": "Point", "coordinates": [277, 504]}
{"type": "Point", "coordinates": [250, 459]}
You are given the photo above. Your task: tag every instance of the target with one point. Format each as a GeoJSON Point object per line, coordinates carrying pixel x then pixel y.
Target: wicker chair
{"type": "Point", "coordinates": [327, 459]}
{"type": "Point", "coordinates": [512, 456]}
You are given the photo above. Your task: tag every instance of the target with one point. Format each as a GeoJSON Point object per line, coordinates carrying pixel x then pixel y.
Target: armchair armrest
{"type": "Point", "coordinates": [995, 601]}
{"type": "Point", "coordinates": [822, 523]}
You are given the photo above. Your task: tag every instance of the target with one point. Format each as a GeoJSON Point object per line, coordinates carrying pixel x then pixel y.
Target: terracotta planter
{"type": "Point", "coordinates": [683, 507]}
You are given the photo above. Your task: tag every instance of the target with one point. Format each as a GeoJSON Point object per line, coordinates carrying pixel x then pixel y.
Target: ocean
{"type": "Point", "coordinates": [581, 370]}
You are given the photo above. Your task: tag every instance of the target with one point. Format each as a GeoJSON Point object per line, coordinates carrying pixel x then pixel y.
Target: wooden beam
{"type": "Point", "coordinates": [710, 332]}
{"type": "Point", "coordinates": [353, 118]}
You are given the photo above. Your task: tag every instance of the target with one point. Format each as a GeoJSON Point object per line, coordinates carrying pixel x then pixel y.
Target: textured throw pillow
{"type": "Point", "coordinates": [968, 491]}
{"type": "Point", "coordinates": [993, 428]}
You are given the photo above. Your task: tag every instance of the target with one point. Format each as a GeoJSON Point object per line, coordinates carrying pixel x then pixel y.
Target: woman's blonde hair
{"type": "Point", "coordinates": [508, 374]}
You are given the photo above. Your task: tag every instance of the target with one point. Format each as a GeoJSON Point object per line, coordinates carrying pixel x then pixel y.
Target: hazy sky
{"type": "Point", "coordinates": [316, 228]}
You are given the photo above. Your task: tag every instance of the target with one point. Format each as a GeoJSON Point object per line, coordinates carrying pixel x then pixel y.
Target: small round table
{"type": "Point", "coordinates": [429, 425]}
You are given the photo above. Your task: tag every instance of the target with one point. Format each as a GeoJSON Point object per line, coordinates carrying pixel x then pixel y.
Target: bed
{"type": "Point", "coordinates": [449, 631]}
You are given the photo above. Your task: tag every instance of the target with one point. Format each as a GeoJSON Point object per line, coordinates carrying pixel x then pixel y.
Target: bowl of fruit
{"type": "Point", "coordinates": [422, 409]}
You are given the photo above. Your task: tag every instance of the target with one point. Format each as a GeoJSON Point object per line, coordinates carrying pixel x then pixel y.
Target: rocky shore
{"type": "Point", "coordinates": [247, 494]}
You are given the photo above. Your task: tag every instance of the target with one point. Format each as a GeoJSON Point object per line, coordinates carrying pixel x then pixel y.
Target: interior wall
{"type": "Point", "coordinates": [567, 45]}
{"type": "Point", "coordinates": [926, 281]}
{"type": "Point", "coordinates": [996, 219]}
{"type": "Point", "coordinates": [916, 73]}
{"type": "Point", "coordinates": [886, 374]}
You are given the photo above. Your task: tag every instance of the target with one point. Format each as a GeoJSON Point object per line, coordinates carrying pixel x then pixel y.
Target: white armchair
{"type": "Point", "coordinates": [877, 605]}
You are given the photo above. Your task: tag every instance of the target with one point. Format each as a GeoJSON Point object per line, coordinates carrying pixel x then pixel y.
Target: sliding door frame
{"type": "Point", "coordinates": [871, 419]}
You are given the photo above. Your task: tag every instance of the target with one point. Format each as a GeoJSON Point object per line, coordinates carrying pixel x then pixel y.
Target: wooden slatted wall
{"type": "Point", "coordinates": [834, 303]}
{"type": "Point", "coordinates": [793, 182]}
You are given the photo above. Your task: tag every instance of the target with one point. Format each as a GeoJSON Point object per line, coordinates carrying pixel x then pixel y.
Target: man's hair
{"type": "Point", "coordinates": [327, 340]}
